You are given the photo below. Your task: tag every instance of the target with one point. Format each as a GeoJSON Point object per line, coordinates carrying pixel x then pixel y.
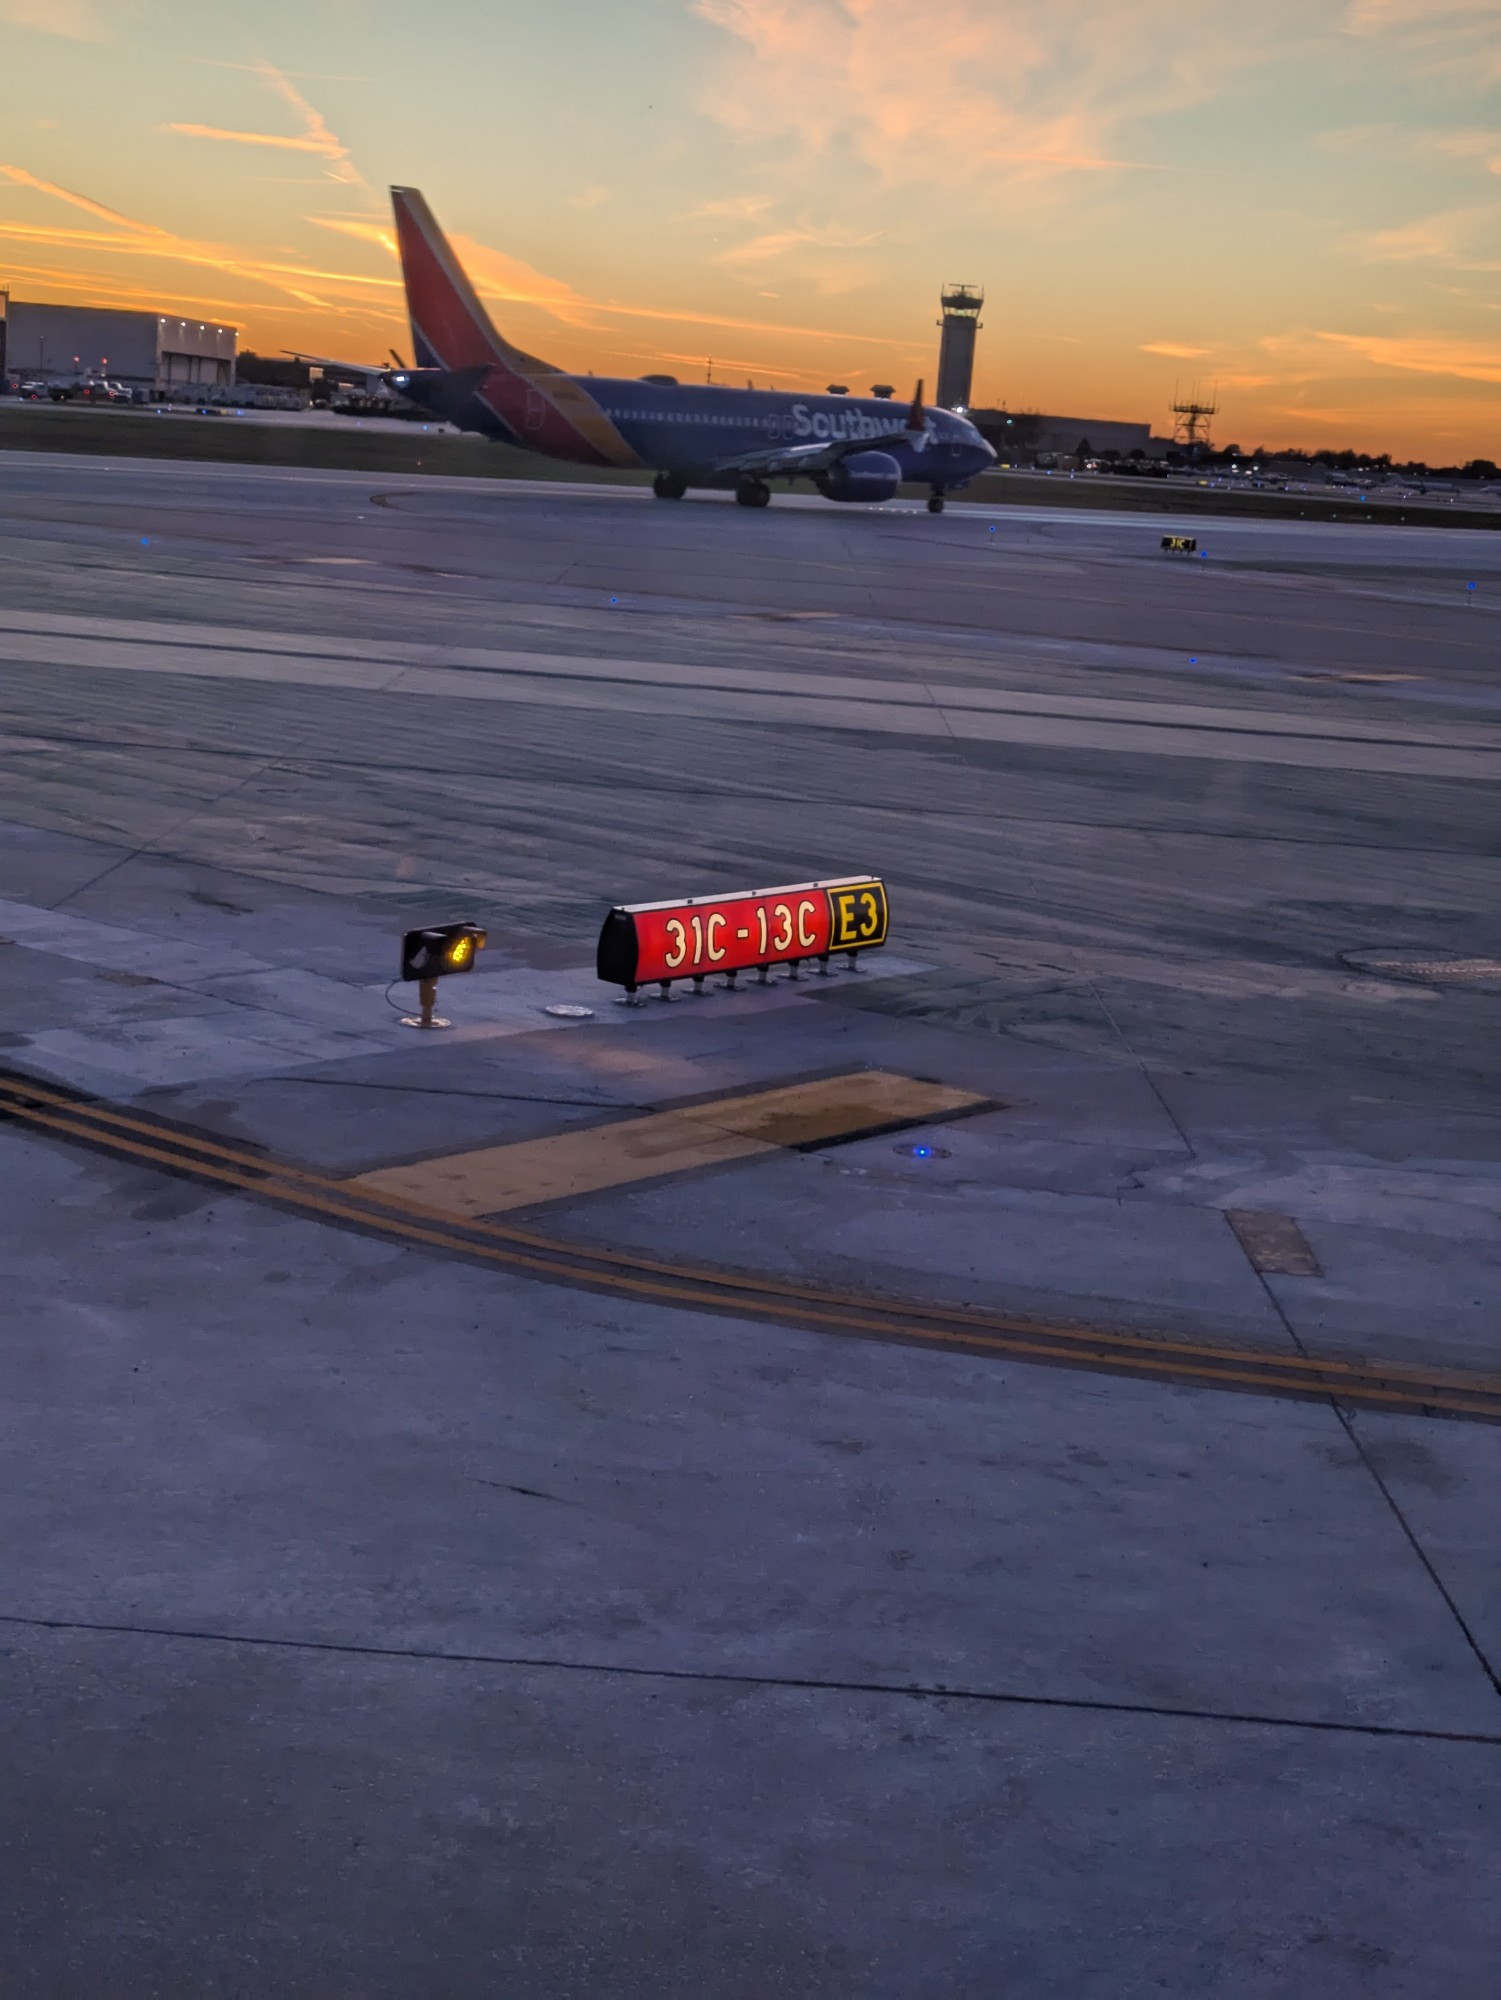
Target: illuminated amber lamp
{"type": "Point", "coordinates": [430, 955]}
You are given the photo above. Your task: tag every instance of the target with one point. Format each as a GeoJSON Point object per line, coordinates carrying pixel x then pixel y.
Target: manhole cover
{"type": "Point", "coordinates": [1427, 966]}
{"type": "Point", "coordinates": [566, 1011]}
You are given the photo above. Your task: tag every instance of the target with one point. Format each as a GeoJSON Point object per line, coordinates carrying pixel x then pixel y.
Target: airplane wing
{"type": "Point", "coordinates": [789, 460]}
{"type": "Point", "coordinates": [343, 367]}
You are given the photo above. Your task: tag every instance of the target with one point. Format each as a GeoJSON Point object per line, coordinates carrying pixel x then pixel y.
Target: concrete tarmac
{"type": "Point", "coordinates": [379, 1624]}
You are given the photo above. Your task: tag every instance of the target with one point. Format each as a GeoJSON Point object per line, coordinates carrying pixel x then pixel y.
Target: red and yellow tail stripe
{"type": "Point", "coordinates": [451, 329]}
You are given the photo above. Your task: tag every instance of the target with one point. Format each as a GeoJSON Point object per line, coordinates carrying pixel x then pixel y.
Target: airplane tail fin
{"type": "Point", "coordinates": [917, 419]}
{"type": "Point", "coordinates": [450, 327]}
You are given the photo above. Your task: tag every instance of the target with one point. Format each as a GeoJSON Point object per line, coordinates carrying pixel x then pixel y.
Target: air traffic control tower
{"type": "Point", "coordinates": [956, 346]}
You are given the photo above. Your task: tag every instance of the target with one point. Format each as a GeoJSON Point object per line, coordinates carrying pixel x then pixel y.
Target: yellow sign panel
{"type": "Point", "coordinates": [857, 916]}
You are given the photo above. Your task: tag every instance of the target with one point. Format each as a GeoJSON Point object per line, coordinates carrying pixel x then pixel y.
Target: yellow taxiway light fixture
{"type": "Point", "coordinates": [428, 956]}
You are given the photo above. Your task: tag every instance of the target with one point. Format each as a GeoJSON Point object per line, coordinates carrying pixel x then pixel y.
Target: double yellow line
{"type": "Point", "coordinates": [999, 1336]}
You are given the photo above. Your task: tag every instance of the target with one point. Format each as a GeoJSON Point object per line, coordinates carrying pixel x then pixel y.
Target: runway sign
{"type": "Point", "coordinates": [742, 931]}
{"type": "Point", "coordinates": [1181, 545]}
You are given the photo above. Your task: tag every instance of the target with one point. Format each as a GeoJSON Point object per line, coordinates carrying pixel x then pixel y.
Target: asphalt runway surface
{"type": "Point", "coordinates": [1128, 799]}
{"type": "Point", "coordinates": [383, 1622]}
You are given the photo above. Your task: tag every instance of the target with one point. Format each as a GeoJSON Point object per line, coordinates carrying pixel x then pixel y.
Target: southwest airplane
{"type": "Point", "coordinates": [852, 448]}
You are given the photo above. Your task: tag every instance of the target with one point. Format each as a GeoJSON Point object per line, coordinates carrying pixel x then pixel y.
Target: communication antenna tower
{"type": "Point", "coordinates": [1192, 414]}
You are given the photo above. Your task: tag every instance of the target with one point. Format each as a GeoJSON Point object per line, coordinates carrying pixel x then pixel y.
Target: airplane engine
{"type": "Point", "coordinates": [864, 475]}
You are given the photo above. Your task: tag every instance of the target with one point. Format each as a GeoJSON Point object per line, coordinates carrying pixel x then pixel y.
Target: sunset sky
{"type": "Point", "coordinates": [1298, 201]}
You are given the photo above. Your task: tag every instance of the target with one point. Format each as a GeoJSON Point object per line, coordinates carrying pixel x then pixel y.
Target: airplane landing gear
{"type": "Point", "coordinates": [668, 486]}
{"type": "Point", "coordinates": [935, 500]}
{"type": "Point", "coordinates": [753, 493]}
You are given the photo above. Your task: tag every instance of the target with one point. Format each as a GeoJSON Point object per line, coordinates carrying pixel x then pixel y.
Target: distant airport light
{"type": "Point", "coordinates": [430, 955]}
{"type": "Point", "coordinates": [742, 931]}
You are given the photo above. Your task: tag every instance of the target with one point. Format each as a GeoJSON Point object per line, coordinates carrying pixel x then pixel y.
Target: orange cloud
{"type": "Point", "coordinates": [670, 316]}
{"type": "Point", "coordinates": [736, 208]}
{"type": "Point", "coordinates": [507, 280]}
{"type": "Point", "coordinates": [249, 138]}
{"type": "Point", "coordinates": [823, 256]}
{"type": "Point", "coordinates": [1173, 352]}
{"type": "Point", "coordinates": [1424, 354]}
{"type": "Point", "coordinates": [315, 137]}
{"type": "Point", "coordinates": [75, 20]}
{"type": "Point", "coordinates": [132, 238]}
{"type": "Point", "coordinates": [1418, 142]}
{"type": "Point", "coordinates": [776, 242]}
{"type": "Point", "coordinates": [366, 232]}
{"type": "Point", "coordinates": [89, 206]}
{"type": "Point", "coordinates": [1448, 239]}
{"type": "Point", "coordinates": [1468, 145]}
{"type": "Point", "coordinates": [992, 92]}
{"type": "Point", "coordinates": [510, 280]}
{"type": "Point", "coordinates": [1455, 38]}
{"type": "Point", "coordinates": [341, 166]}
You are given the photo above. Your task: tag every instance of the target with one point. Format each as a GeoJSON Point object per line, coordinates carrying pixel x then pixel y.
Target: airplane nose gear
{"type": "Point", "coordinates": [668, 486]}
{"type": "Point", "coordinates": [935, 500]}
{"type": "Point", "coordinates": [753, 493]}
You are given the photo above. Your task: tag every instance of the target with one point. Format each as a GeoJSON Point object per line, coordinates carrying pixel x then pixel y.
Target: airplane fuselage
{"type": "Point", "coordinates": [690, 429]}
{"type": "Point", "coordinates": [851, 447]}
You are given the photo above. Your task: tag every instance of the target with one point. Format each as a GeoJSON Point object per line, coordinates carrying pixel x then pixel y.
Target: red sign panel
{"type": "Point", "coordinates": [741, 931]}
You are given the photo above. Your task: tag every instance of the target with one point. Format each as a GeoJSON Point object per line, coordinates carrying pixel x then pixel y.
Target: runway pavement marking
{"type": "Point", "coordinates": [1397, 1386]}
{"type": "Point", "coordinates": [238, 646]}
{"type": "Point", "coordinates": [910, 708]}
{"type": "Point", "coordinates": [492, 1179]}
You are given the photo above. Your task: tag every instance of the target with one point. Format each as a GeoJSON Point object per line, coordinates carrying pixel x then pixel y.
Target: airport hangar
{"type": "Point", "coordinates": [143, 349]}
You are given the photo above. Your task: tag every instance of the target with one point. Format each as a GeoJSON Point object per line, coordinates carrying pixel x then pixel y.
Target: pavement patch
{"type": "Point", "coordinates": [1274, 1243]}
{"type": "Point", "coordinates": [493, 1179]}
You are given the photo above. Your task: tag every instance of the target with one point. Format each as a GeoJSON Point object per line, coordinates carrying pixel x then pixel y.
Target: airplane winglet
{"type": "Point", "coordinates": [917, 419]}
